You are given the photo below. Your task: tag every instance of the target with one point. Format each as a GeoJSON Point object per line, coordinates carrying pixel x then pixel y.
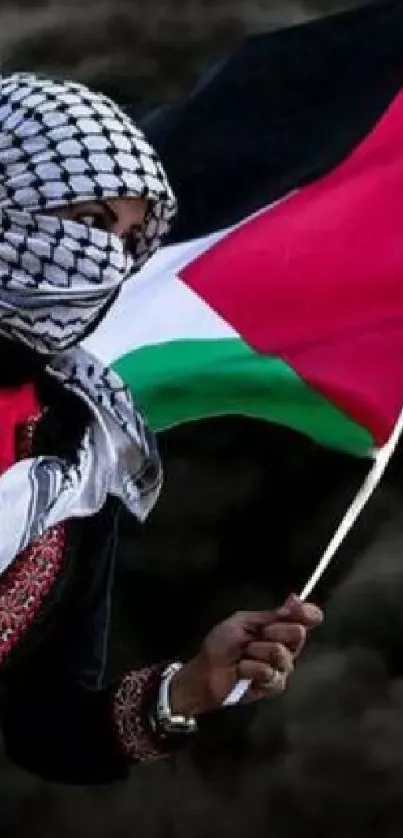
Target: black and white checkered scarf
{"type": "Point", "coordinates": [61, 144]}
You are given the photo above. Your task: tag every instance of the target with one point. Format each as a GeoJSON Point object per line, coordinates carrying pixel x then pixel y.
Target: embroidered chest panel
{"type": "Point", "coordinates": [28, 581]}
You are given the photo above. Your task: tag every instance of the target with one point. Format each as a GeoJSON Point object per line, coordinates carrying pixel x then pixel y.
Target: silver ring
{"type": "Point", "coordinates": [276, 682]}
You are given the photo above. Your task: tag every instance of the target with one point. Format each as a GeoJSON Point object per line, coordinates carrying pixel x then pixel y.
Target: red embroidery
{"type": "Point", "coordinates": [135, 736]}
{"type": "Point", "coordinates": [26, 583]}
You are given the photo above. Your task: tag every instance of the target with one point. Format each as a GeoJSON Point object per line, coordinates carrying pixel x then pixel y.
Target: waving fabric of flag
{"type": "Point", "coordinates": [280, 293]}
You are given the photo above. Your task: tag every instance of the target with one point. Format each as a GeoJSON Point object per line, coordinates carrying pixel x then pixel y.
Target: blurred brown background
{"type": "Point", "coordinates": [140, 49]}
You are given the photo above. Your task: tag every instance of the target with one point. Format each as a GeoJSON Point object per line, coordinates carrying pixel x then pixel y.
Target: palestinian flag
{"type": "Point", "coordinates": [280, 293]}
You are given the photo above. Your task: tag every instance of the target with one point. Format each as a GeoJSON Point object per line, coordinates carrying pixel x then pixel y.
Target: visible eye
{"type": "Point", "coordinates": [95, 220]}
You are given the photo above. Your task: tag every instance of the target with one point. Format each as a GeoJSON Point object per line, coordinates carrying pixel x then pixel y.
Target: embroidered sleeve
{"type": "Point", "coordinates": [26, 584]}
{"type": "Point", "coordinates": [132, 701]}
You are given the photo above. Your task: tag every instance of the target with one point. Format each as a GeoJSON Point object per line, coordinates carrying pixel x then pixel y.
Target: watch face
{"type": "Point", "coordinates": [177, 725]}
{"type": "Point", "coordinates": [171, 723]}
{"type": "Point", "coordinates": [179, 730]}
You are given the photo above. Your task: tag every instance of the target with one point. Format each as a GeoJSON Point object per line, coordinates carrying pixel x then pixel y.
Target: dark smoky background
{"type": "Point", "coordinates": [139, 50]}
{"type": "Point", "coordinates": [245, 513]}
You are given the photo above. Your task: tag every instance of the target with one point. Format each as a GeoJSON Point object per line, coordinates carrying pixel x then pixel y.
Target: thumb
{"type": "Point", "coordinates": [255, 619]}
{"type": "Point", "coordinates": [296, 610]}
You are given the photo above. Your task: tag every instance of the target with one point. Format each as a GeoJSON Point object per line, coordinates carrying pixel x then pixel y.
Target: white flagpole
{"type": "Point", "coordinates": [374, 477]}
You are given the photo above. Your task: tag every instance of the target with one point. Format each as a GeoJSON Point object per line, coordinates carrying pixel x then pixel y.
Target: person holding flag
{"type": "Point", "coordinates": [84, 201]}
{"type": "Point", "coordinates": [282, 273]}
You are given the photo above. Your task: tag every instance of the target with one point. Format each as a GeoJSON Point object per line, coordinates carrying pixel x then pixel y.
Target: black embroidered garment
{"type": "Point", "coordinates": [58, 718]}
{"type": "Point", "coordinates": [61, 144]}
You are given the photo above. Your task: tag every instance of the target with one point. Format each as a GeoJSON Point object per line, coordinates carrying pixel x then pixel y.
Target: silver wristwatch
{"type": "Point", "coordinates": [171, 724]}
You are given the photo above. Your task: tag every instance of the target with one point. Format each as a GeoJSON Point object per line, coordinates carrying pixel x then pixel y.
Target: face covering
{"type": "Point", "coordinates": [61, 144]}
{"type": "Point", "coordinates": [60, 274]}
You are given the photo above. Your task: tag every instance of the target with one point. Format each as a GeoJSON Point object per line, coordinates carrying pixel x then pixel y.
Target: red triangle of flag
{"type": "Point", "coordinates": [318, 280]}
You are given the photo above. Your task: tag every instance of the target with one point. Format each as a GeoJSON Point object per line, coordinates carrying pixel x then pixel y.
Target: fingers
{"type": "Point", "coordinates": [293, 611]}
{"type": "Point", "coordinates": [287, 625]}
{"type": "Point", "coordinates": [291, 635]}
{"type": "Point", "coordinates": [255, 671]}
{"type": "Point", "coordinates": [254, 619]}
{"type": "Point", "coordinates": [267, 666]}
{"type": "Point", "coordinates": [264, 680]}
{"type": "Point", "coordinates": [305, 613]}
{"type": "Point", "coordinates": [262, 658]}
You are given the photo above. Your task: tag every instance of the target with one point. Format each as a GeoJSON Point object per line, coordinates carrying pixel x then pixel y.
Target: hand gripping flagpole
{"type": "Point", "coordinates": [371, 482]}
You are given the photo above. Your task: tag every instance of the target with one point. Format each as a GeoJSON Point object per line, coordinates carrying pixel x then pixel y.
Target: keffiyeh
{"type": "Point", "coordinates": [62, 144]}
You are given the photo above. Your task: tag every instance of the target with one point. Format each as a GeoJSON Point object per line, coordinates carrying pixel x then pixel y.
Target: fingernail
{"type": "Point", "coordinates": [292, 600]}
{"type": "Point", "coordinates": [288, 608]}
{"type": "Point", "coordinates": [316, 613]}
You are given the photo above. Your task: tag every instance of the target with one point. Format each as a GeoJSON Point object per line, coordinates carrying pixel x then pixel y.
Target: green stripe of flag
{"type": "Point", "coordinates": [188, 380]}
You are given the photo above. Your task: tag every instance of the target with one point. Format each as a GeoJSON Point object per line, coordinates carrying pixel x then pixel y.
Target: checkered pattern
{"type": "Point", "coordinates": [60, 144]}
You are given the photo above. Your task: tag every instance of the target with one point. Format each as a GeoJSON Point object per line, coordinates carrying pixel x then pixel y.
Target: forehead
{"type": "Point", "coordinates": [61, 144]}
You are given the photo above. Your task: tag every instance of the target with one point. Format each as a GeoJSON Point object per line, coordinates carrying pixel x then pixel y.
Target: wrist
{"type": "Point", "coordinates": [166, 720]}
{"type": "Point", "coordinates": [189, 690]}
